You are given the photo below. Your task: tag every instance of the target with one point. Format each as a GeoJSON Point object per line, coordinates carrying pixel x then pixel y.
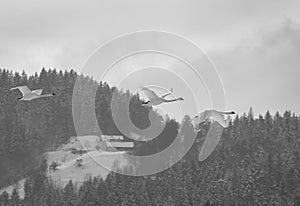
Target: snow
{"type": "Point", "coordinates": [95, 163]}
{"type": "Point", "coordinates": [19, 186]}
{"type": "Point", "coordinates": [82, 142]}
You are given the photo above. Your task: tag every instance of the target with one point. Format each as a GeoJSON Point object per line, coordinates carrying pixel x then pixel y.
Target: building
{"type": "Point", "coordinates": [115, 142]}
{"type": "Point", "coordinates": [111, 137]}
{"type": "Point", "coordinates": [92, 142]}
{"type": "Point", "coordinates": [120, 145]}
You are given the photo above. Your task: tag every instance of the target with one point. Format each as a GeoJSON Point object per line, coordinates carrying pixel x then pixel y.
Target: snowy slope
{"type": "Point", "coordinates": [82, 142]}
{"type": "Point", "coordinates": [19, 186]}
{"type": "Point", "coordinates": [94, 163]}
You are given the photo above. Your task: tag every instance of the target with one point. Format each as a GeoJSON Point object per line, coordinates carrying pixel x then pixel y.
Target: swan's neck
{"type": "Point", "coordinates": [172, 100]}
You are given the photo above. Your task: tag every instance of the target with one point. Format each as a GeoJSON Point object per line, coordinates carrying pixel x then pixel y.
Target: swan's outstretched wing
{"type": "Point", "coordinates": [23, 89]}
{"type": "Point", "coordinates": [38, 91]}
{"type": "Point", "coordinates": [164, 95]}
{"type": "Point", "coordinates": [149, 93]}
{"type": "Point", "coordinates": [212, 139]}
{"type": "Point", "coordinates": [218, 117]}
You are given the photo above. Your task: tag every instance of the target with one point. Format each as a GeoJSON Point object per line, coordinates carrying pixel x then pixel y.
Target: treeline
{"type": "Point", "coordinates": [28, 129]}
{"type": "Point", "coordinates": [255, 163]}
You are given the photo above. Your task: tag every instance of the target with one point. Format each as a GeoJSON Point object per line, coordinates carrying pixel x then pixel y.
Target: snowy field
{"type": "Point", "coordinates": [94, 163]}
{"type": "Point", "coordinates": [19, 186]}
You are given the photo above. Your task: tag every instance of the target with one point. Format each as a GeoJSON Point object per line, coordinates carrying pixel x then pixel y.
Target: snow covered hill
{"type": "Point", "coordinates": [19, 186]}
{"type": "Point", "coordinates": [93, 163]}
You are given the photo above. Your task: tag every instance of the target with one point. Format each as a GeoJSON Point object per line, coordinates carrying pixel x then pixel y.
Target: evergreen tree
{"type": "Point", "coordinates": [4, 199]}
{"type": "Point", "coordinates": [15, 198]}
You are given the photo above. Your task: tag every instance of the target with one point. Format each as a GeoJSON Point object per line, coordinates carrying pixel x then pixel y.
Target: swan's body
{"type": "Point", "coordinates": [29, 95]}
{"type": "Point", "coordinates": [215, 130]}
{"type": "Point", "coordinates": [154, 99]}
{"type": "Point", "coordinates": [214, 115]}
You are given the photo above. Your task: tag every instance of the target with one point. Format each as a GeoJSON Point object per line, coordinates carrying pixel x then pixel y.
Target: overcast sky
{"type": "Point", "coordinates": [254, 44]}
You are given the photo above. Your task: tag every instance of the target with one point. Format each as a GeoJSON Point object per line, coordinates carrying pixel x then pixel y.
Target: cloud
{"type": "Point", "coordinates": [263, 71]}
{"type": "Point", "coordinates": [257, 58]}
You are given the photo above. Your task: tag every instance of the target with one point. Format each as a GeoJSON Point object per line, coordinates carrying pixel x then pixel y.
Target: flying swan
{"type": "Point", "coordinates": [29, 95]}
{"type": "Point", "coordinates": [154, 99]}
{"type": "Point", "coordinates": [214, 115]}
{"type": "Point", "coordinates": [218, 123]}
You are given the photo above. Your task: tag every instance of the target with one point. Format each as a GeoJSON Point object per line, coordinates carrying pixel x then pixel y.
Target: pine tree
{"type": "Point", "coordinates": [4, 199]}
{"type": "Point", "coordinates": [69, 194]}
{"type": "Point", "coordinates": [28, 196]}
{"type": "Point", "coordinates": [15, 198]}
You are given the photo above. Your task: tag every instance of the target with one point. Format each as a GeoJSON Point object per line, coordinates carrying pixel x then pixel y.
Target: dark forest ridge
{"type": "Point", "coordinates": [258, 157]}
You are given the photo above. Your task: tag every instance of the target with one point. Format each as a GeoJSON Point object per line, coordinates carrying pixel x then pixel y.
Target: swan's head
{"type": "Point", "coordinates": [232, 112]}
{"type": "Point", "coordinates": [145, 102]}
{"type": "Point", "coordinates": [180, 99]}
{"type": "Point", "coordinates": [19, 98]}
{"type": "Point", "coordinates": [201, 117]}
{"type": "Point", "coordinates": [53, 94]}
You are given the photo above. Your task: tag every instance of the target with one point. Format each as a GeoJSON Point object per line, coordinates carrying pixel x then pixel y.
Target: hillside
{"type": "Point", "coordinates": [94, 163]}
{"type": "Point", "coordinates": [19, 186]}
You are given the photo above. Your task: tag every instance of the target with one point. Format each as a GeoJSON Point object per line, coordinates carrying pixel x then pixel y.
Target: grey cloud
{"type": "Point", "coordinates": [263, 71]}
{"type": "Point", "coordinates": [63, 34]}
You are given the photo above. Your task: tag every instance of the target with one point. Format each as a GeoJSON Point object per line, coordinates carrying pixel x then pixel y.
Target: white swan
{"type": "Point", "coordinates": [214, 115]}
{"type": "Point", "coordinates": [154, 99]}
{"type": "Point", "coordinates": [215, 130]}
{"type": "Point", "coordinates": [30, 95]}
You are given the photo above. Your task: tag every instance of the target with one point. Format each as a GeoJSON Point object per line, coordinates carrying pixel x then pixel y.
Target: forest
{"type": "Point", "coordinates": [257, 161]}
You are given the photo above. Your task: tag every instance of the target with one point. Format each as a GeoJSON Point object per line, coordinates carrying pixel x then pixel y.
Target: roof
{"type": "Point", "coordinates": [111, 137]}
{"type": "Point", "coordinates": [120, 144]}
